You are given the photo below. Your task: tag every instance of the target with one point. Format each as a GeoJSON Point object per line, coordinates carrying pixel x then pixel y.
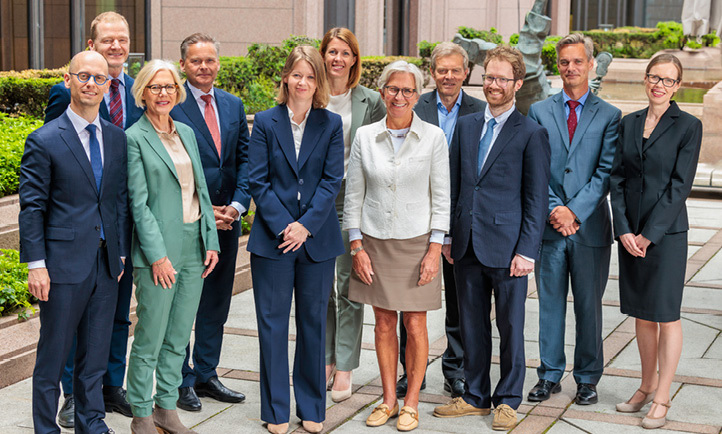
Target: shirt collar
{"type": "Point", "coordinates": [197, 93]}
{"type": "Point", "coordinates": [581, 100]}
{"type": "Point", "coordinates": [440, 105]}
{"type": "Point", "coordinates": [417, 126]}
{"type": "Point", "coordinates": [172, 129]}
{"type": "Point", "coordinates": [499, 119]}
{"type": "Point", "coordinates": [121, 79]}
{"type": "Point", "coordinates": [303, 122]}
{"type": "Point", "coordinates": [79, 123]}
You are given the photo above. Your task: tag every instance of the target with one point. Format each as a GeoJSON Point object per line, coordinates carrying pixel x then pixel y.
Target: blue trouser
{"type": "Point", "coordinates": [118, 340]}
{"type": "Point", "coordinates": [83, 310]}
{"type": "Point", "coordinates": [275, 283]}
{"type": "Point", "coordinates": [588, 268]}
{"type": "Point", "coordinates": [213, 312]}
{"type": "Point", "coordinates": [475, 284]}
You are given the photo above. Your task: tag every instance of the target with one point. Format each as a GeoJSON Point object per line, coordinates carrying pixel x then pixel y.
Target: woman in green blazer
{"type": "Point", "coordinates": [175, 246]}
{"type": "Point", "coordinates": [357, 105]}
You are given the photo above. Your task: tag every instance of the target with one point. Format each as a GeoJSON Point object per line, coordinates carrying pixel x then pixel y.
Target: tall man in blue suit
{"type": "Point", "coordinates": [109, 36]}
{"type": "Point", "coordinates": [578, 234]}
{"type": "Point", "coordinates": [219, 123]}
{"type": "Point", "coordinates": [74, 236]}
{"type": "Point", "coordinates": [499, 177]}
{"type": "Point", "coordinates": [442, 107]}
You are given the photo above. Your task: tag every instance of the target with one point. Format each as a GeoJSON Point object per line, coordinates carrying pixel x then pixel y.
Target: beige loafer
{"type": "Point", "coordinates": [381, 415]}
{"type": "Point", "coordinates": [408, 419]}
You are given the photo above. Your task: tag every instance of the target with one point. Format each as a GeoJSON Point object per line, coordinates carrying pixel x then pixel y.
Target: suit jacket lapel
{"type": "Point", "coordinates": [665, 122]}
{"type": "Point", "coordinates": [224, 109]}
{"type": "Point", "coordinates": [151, 136]}
{"type": "Point", "coordinates": [472, 138]}
{"type": "Point", "coordinates": [588, 111]}
{"type": "Point", "coordinates": [561, 119]}
{"type": "Point", "coordinates": [639, 129]}
{"type": "Point", "coordinates": [505, 136]}
{"type": "Point", "coordinates": [104, 113]}
{"type": "Point", "coordinates": [71, 139]}
{"type": "Point", "coordinates": [430, 109]}
{"type": "Point", "coordinates": [191, 109]}
{"type": "Point", "coordinates": [467, 105]}
{"type": "Point", "coordinates": [107, 154]}
{"type": "Point", "coordinates": [284, 136]}
{"type": "Point", "coordinates": [314, 126]}
{"type": "Point", "coordinates": [358, 109]}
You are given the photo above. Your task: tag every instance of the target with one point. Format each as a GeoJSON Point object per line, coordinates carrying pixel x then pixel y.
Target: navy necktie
{"type": "Point", "coordinates": [484, 144]}
{"type": "Point", "coordinates": [96, 162]}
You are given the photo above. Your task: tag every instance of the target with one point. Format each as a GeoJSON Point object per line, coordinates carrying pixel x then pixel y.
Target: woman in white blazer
{"type": "Point", "coordinates": [396, 211]}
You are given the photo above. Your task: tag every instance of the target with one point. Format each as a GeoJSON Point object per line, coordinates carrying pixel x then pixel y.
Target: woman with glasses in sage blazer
{"type": "Point", "coordinates": [175, 246]}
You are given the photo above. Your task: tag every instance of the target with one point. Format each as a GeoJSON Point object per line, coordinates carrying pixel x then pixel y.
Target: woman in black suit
{"type": "Point", "coordinates": [652, 176]}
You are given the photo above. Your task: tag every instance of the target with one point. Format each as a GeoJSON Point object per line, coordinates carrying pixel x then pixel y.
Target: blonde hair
{"type": "Point", "coordinates": [345, 35]}
{"type": "Point", "coordinates": [313, 57]}
{"type": "Point", "coordinates": [149, 71]}
{"type": "Point", "coordinates": [107, 17]}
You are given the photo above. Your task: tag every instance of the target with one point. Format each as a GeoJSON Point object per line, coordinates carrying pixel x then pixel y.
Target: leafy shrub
{"type": "Point", "coordinates": [14, 295]}
{"type": "Point", "coordinates": [259, 94]}
{"type": "Point", "coordinates": [710, 40]}
{"type": "Point", "coordinates": [25, 95]}
{"type": "Point", "coordinates": [426, 47]}
{"type": "Point", "coordinates": [374, 65]}
{"type": "Point", "coordinates": [13, 132]}
{"type": "Point", "coordinates": [549, 55]}
{"type": "Point", "coordinates": [491, 35]}
{"type": "Point", "coordinates": [514, 39]}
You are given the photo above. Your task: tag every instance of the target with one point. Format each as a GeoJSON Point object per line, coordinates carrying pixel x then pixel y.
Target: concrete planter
{"type": "Point", "coordinates": [9, 209]}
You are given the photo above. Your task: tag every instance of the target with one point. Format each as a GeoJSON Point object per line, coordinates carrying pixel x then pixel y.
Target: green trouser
{"type": "Point", "coordinates": [165, 319]}
{"type": "Point", "coordinates": [344, 319]}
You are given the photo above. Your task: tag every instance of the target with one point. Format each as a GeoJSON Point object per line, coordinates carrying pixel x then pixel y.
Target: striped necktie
{"type": "Point", "coordinates": [116, 105]}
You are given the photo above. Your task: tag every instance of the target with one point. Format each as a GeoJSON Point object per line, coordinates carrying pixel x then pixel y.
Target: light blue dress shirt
{"type": "Point", "coordinates": [579, 108]}
{"type": "Point", "coordinates": [447, 119]}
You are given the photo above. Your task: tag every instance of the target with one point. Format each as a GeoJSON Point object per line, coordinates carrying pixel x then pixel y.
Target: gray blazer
{"type": "Point", "coordinates": [580, 170]}
{"type": "Point", "coordinates": [366, 108]}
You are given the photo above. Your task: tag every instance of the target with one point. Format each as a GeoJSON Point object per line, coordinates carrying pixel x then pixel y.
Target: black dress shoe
{"type": "Point", "coordinates": [543, 390]}
{"type": "Point", "coordinates": [66, 415]}
{"type": "Point", "coordinates": [216, 390]}
{"type": "Point", "coordinates": [586, 394]}
{"type": "Point", "coordinates": [188, 400]}
{"type": "Point", "coordinates": [403, 384]}
{"type": "Point", "coordinates": [455, 386]}
{"type": "Point", "coordinates": [116, 401]}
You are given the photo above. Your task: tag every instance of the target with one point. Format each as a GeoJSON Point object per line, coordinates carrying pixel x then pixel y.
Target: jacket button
{"type": "Point", "coordinates": [300, 182]}
{"type": "Point", "coordinates": [644, 156]}
{"type": "Point", "coordinates": [97, 228]}
{"type": "Point", "coordinates": [218, 192]}
{"type": "Point", "coordinates": [471, 212]}
{"type": "Point", "coordinates": [567, 170]}
{"type": "Point", "coordinates": [476, 188]}
{"type": "Point", "coordinates": [303, 206]}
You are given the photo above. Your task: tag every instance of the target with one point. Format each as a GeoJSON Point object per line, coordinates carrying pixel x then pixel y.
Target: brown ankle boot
{"type": "Point", "coordinates": [168, 421]}
{"type": "Point", "coordinates": [143, 425]}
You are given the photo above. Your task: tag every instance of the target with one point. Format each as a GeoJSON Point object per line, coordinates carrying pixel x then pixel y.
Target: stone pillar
{"type": "Point", "coordinates": [711, 152]}
{"type": "Point", "coordinates": [561, 12]}
{"type": "Point", "coordinates": [370, 27]}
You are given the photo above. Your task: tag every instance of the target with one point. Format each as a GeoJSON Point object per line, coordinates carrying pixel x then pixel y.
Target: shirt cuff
{"type": "Point", "coordinates": [240, 208]}
{"type": "Point", "coordinates": [527, 258]}
{"type": "Point", "coordinates": [36, 264]}
{"type": "Point", "coordinates": [437, 236]}
{"type": "Point", "coordinates": [354, 234]}
{"type": "Point", "coordinates": [447, 240]}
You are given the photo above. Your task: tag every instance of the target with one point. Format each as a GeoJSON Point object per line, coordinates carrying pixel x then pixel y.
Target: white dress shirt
{"type": "Point", "coordinates": [342, 106]}
{"type": "Point", "coordinates": [297, 131]}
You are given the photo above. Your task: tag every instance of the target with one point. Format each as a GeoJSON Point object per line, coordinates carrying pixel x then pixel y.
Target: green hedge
{"type": "Point", "coordinates": [374, 65]}
{"type": "Point", "coordinates": [13, 132]}
{"type": "Point", "coordinates": [23, 95]}
{"type": "Point", "coordinates": [14, 295]}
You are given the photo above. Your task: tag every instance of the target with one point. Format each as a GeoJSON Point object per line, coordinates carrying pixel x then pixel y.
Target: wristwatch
{"type": "Point", "coordinates": [356, 250]}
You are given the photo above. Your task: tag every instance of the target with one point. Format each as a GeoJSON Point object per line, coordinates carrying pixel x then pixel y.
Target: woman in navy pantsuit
{"type": "Point", "coordinates": [296, 167]}
{"type": "Point", "coordinates": [651, 178]}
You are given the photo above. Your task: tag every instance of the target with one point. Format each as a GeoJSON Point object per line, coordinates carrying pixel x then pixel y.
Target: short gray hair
{"type": "Point", "coordinates": [149, 71]}
{"type": "Point", "coordinates": [402, 66]}
{"type": "Point", "coordinates": [196, 38]}
{"type": "Point", "coordinates": [447, 49]}
{"type": "Point", "coordinates": [577, 38]}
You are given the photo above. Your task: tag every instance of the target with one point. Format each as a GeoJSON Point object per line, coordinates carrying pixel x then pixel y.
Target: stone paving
{"type": "Point", "coordinates": [697, 391]}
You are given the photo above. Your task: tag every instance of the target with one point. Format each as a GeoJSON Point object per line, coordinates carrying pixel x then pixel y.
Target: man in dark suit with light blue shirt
{"type": "Point", "coordinates": [442, 107]}
{"type": "Point", "coordinates": [74, 235]}
{"type": "Point", "coordinates": [578, 235]}
{"type": "Point", "coordinates": [109, 36]}
{"type": "Point", "coordinates": [219, 122]}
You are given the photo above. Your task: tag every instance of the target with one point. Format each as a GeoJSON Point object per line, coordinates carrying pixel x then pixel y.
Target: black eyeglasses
{"type": "Point", "coordinates": [501, 81]}
{"type": "Point", "coordinates": [156, 89]}
{"type": "Point", "coordinates": [666, 81]}
{"type": "Point", "coordinates": [406, 92]}
{"type": "Point", "coordinates": [83, 77]}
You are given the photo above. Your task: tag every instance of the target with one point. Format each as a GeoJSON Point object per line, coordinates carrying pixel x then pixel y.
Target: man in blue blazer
{"type": "Point", "coordinates": [74, 235]}
{"type": "Point", "coordinates": [219, 122]}
{"type": "Point", "coordinates": [109, 36]}
{"type": "Point", "coordinates": [578, 234]}
{"type": "Point", "coordinates": [499, 177]}
{"type": "Point", "coordinates": [442, 107]}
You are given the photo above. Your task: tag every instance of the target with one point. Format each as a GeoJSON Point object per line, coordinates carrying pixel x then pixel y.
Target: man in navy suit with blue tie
{"type": "Point", "coordinates": [499, 177]}
{"type": "Point", "coordinates": [74, 235]}
{"type": "Point", "coordinates": [109, 36]}
{"type": "Point", "coordinates": [577, 240]}
{"type": "Point", "coordinates": [219, 122]}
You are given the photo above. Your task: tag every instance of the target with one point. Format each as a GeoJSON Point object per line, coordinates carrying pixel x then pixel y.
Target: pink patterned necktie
{"type": "Point", "coordinates": [572, 119]}
{"type": "Point", "coordinates": [210, 115]}
{"type": "Point", "coordinates": [116, 105]}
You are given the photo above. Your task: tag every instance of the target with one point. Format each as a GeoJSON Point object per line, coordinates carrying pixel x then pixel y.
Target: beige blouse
{"type": "Point", "coordinates": [184, 168]}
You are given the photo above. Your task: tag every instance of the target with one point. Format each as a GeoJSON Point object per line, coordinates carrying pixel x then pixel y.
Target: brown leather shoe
{"type": "Point", "coordinates": [381, 415]}
{"type": "Point", "coordinates": [169, 422]}
{"type": "Point", "coordinates": [143, 425]}
{"type": "Point", "coordinates": [408, 419]}
{"type": "Point", "coordinates": [504, 418]}
{"type": "Point", "coordinates": [458, 407]}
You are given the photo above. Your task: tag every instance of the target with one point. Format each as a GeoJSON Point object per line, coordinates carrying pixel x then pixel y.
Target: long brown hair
{"type": "Point", "coordinates": [347, 36]}
{"type": "Point", "coordinates": [313, 57]}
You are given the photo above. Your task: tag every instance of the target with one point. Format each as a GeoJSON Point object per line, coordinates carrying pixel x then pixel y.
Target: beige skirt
{"type": "Point", "coordinates": [396, 265]}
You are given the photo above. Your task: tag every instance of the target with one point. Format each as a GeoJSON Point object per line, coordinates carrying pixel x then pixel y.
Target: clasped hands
{"type": "Point", "coordinates": [635, 245]}
{"type": "Point", "coordinates": [564, 221]}
{"type": "Point", "coordinates": [164, 272]}
{"type": "Point", "coordinates": [225, 216]}
{"type": "Point", "coordinates": [293, 236]}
